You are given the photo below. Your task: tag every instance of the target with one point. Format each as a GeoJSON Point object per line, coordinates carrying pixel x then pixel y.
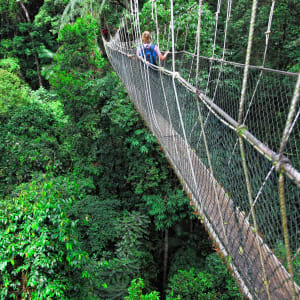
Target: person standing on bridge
{"type": "Point", "coordinates": [150, 51]}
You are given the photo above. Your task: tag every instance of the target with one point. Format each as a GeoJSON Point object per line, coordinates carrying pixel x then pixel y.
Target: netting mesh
{"type": "Point", "coordinates": [215, 165]}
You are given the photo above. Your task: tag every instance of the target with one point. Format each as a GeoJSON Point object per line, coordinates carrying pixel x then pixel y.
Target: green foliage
{"type": "Point", "coordinates": [79, 49]}
{"type": "Point", "coordinates": [133, 231]}
{"type": "Point", "coordinates": [128, 147]}
{"type": "Point", "coordinates": [280, 251]}
{"type": "Point", "coordinates": [5, 47]}
{"type": "Point", "coordinates": [48, 20]}
{"type": "Point", "coordinates": [283, 50]}
{"type": "Point", "coordinates": [13, 92]}
{"type": "Point", "coordinates": [189, 247]}
{"type": "Point", "coordinates": [29, 41]}
{"type": "Point", "coordinates": [49, 99]}
{"type": "Point", "coordinates": [132, 256]}
{"type": "Point", "coordinates": [136, 291]}
{"type": "Point", "coordinates": [77, 78]}
{"type": "Point", "coordinates": [168, 209]}
{"type": "Point", "coordinates": [189, 285]}
{"type": "Point", "coordinates": [10, 64]}
{"type": "Point", "coordinates": [32, 137]}
{"type": "Point", "coordinates": [213, 282]}
{"type": "Point", "coordinates": [39, 243]}
{"type": "Point", "coordinates": [75, 8]}
{"type": "Point", "coordinates": [97, 223]}
{"type": "Point", "coordinates": [185, 259]}
{"type": "Point", "coordinates": [25, 45]}
{"type": "Point", "coordinates": [223, 282]}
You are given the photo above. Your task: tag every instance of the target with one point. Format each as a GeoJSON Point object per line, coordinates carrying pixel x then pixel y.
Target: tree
{"type": "Point", "coordinates": [282, 51]}
{"type": "Point", "coordinates": [136, 291]}
{"type": "Point", "coordinates": [39, 246]}
{"type": "Point", "coordinates": [30, 34]}
{"type": "Point", "coordinates": [32, 134]}
{"type": "Point", "coordinates": [98, 222]}
{"type": "Point", "coordinates": [131, 259]}
{"type": "Point", "coordinates": [213, 282]}
{"type": "Point", "coordinates": [36, 59]}
{"type": "Point", "coordinates": [167, 210]}
{"type": "Point", "coordinates": [13, 91]}
{"type": "Point", "coordinates": [76, 76]}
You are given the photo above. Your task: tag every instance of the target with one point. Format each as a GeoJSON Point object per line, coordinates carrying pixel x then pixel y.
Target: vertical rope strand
{"type": "Point", "coordinates": [287, 131]}
{"type": "Point", "coordinates": [162, 84]}
{"type": "Point", "coordinates": [265, 278]}
{"type": "Point", "coordinates": [229, 3]}
{"type": "Point", "coordinates": [267, 33]}
{"type": "Point", "coordinates": [157, 28]}
{"type": "Point", "coordinates": [286, 232]}
{"type": "Point", "coordinates": [212, 172]}
{"type": "Point", "coordinates": [289, 121]}
{"type": "Point", "coordinates": [242, 148]}
{"type": "Point", "coordinates": [261, 72]}
{"type": "Point", "coordinates": [198, 37]}
{"type": "Point", "coordinates": [214, 44]}
{"type": "Point", "coordinates": [184, 44]}
{"type": "Point", "coordinates": [197, 52]}
{"type": "Point", "coordinates": [177, 102]}
{"type": "Point", "coordinates": [248, 54]}
{"type": "Point", "coordinates": [172, 37]}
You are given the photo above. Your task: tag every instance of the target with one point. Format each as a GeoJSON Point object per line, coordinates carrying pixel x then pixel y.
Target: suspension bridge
{"type": "Point", "coordinates": [230, 131]}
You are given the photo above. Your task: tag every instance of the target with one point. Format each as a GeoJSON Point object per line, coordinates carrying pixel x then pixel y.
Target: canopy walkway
{"type": "Point", "coordinates": [230, 131]}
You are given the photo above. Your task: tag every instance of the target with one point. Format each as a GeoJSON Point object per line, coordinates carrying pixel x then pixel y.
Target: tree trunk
{"type": "Point", "coordinates": [37, 63]}
{"type": "Point", "coordinates": [165, 259]}
{"type": "Point", "coordinates": [191, 225]}
{"type": "Point", "coordinates": [25, 11]}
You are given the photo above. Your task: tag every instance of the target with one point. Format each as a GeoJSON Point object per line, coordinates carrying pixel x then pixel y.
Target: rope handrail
{"type": "Point", "coordinates": [291, 172]}
{"type": "Point", "coordinates": [241, 65]}
{"type": "Point", "coordinates": [220, 60]}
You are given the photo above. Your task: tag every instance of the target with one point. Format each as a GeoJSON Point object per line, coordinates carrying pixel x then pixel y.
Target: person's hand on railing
{"type": "Point", "coordinates": [163, 57]}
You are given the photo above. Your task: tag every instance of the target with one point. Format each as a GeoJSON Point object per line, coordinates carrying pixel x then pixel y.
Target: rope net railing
{"type": "Point", "coordinates": [243, 175]}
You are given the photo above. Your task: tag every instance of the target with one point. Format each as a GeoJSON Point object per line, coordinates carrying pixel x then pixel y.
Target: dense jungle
{"type": "Point", "coordinates": [90, 208]}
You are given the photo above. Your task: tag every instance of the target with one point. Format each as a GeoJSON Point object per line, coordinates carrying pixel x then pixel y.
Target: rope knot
{"type": "Point", "coordinates": [200, 92]}
{"type": "Point", "coordinates": [280, 160]}
{"type": "Point", "coordinates": [240, 129]}
{"type": "Point", "coordinates": [175, 74]}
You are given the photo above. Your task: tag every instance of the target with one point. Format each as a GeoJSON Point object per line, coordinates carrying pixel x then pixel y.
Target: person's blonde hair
{"type": "Point", "coordinates": [146, 37]}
